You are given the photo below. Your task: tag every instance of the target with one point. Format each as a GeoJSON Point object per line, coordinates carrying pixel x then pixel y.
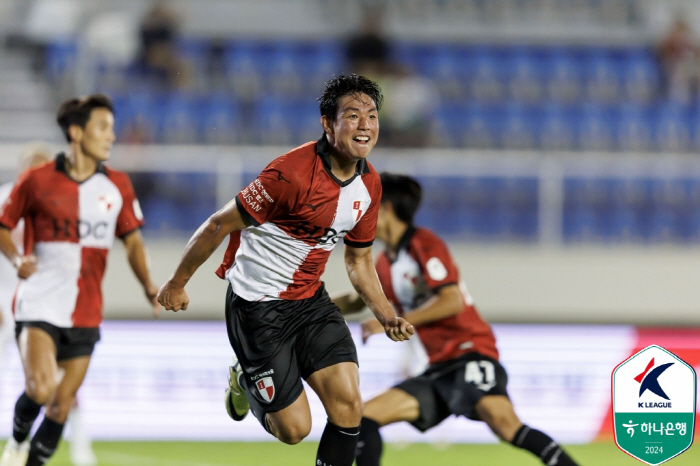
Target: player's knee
{"type": "Point", "coordinates": [291, 435]}
{"type": "Point", "coordinates": [347, 412]}
{"type": "Point", "coordinates": [40, 388]}
{"type": "Point", "coordinates": [59, 408]}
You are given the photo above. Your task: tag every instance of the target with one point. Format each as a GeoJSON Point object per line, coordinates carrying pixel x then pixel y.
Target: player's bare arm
{"type": "Point", "coordinates": [448, 301]}
{"type": "Point", "coordinates": [138, 260]}
{"type": "Point", "coordinates": [201, 245]}
{"type": "Point", "coordinates": [363, 276]}
{"type": "Point", "coordinates": [25, 265]}
{"type": "Point", "coordinates": [349, 302]}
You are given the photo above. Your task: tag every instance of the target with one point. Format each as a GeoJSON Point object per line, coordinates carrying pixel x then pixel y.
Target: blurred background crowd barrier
{"type": "Point", "coordinates": [539, 128]}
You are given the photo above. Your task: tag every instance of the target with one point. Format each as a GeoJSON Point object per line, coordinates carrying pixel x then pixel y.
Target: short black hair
{"type": "Point", "coordinates": [340, 86]}
{"type": "Point", "coordinates": [77, 111]}
{"type": "Point", "coordinates": [404, 193]}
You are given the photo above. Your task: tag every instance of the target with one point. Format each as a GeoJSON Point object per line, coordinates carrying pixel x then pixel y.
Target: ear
{"type": "Point", "coordinates": [327, 125]}
{"type": "Point", "coordinates": [75, 132]}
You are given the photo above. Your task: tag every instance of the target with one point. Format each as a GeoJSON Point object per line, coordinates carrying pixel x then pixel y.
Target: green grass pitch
{"type": "Point", "coordinates": [275, 453]}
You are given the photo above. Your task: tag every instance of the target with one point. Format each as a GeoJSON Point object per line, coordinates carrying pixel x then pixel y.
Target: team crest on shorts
{"type": "Point", "coordinates": [266, 388]}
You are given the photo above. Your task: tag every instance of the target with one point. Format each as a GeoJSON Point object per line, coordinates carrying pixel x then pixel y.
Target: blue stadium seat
{"type": "Point", "coordinates": [524, 75]}
{"type": "Point", "coordinates": [586, 209]}
{"type": "Point", "coordinates": [602, 77]}
{"type": "Point", "coordinates": [272, 122]}
{"type": "Point", "coordinates": [671, 127]}
{"type": "Point", "coordinates": [557, 129]}
{"type": "Point", "coordinates": [318, 63]}
{"type": "Point", "coordinates": [136, 118]}
{"type": "Point", "coordinates": [220, 120]}
{"type": "Point", "coordinates": [640, 76]}
{"type": "Point", "coordinates": [60, 58]}
{"type": "Point", "coordinates": [634, 132]}
{"type": "Point", "coordinates": [562, 75]}
{"type": "Point", "coordinates": [595, 128]}
{"type": "Point", "coordinates": [628, 209]}
{"type": "Point", "coordinates": [243, 72]}
{"type": "Point", "coordinates": [179, 119]}
{"type": "Point", "coordinates": [485, 75]}
{"type": "Point", "coordinates": [518, 127]}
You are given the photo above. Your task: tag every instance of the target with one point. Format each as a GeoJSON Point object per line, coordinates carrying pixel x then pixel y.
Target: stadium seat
{"type": "Point", "coordinates": [640, 76]}
{"type": "Point", "coordinates": [557, 128]}
{"type": "Point", "coordinates": [602, 77]}
{"type": "Point", "coordinates": [272, 122]}
{"type": "Point", "coordinates": [524, 75]}
{"type": "Point", "coordinates": [671, 127]}
{"type": "Point", "coordinates": [562, 76]}
{"type": "Point", "coordinates": [518, 128]}
{"type": "Point", "coordinates": [485, 75]}
{"type": "Point", "coordinates": [179, 119]}
{"type": "Point", "coordinates": [595, 128]}
{"type": "Point", "coordinates": [220, 120]}
{"type": "Point", "coordinates": [633, 129]}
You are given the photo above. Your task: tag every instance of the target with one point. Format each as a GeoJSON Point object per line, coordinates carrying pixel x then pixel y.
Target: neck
{"type": "Point", "coordinates": [342, 168]}
{"type": "Point", "coordinates": [394, 234]}
{"type": "Point", "coordinates": [79, 166]}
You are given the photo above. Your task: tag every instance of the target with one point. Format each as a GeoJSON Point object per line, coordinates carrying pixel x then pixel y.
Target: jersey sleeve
{"type": "Point", "coordinates": [435, 261]}
{"type": "Point", "coordinates": [273, 193]}
{"type": "Point", "coordinates": [130, 218]}
{"type": "Point", "coordinates": [18, 203]}
{"type": "Point", "coordinates": [362, 235]}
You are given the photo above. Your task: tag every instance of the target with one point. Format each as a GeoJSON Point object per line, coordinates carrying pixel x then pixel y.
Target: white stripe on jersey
{"type": "Point", "coordinates": [100, 201]}
{"type": "Point", "coordinates": [50, 293]}
{"type": "Point", "coordinates": [268, 258]}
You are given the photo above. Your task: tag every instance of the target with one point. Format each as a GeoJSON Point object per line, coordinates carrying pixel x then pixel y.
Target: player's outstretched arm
{"type": "Point", "coordinates": [363, 276]}
{"type": "Point", "coordinates": [201, 245]}
{"type": "Point", "coordinates": [349, 302]}
{"type": "Point", "coordinates": [447, 302]}
{"type": "Point", "coordinates": [25, 265]}
{"type": "Point", "coordinates": [138, 260]}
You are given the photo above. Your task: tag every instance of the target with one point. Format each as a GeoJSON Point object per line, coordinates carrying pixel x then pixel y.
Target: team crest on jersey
{"type": "Point", "coordinates": [357, 211]}
{"type": "Point", "coordinates": [266, 388]}
{"type": "Point", "coordinates": [105, 202]}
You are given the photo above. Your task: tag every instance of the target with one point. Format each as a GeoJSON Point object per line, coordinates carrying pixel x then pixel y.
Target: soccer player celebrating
{"type": "Point", "coordinates": [73, 207]}
{"type": "Point", "coordinates": [464, 376]}
{"type": "Point", "coordinates": [281, 323]}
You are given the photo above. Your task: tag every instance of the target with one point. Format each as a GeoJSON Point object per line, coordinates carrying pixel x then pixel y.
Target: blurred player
{"type": "Point", "coordinates": [464, 376]}
{"type": "Point", "coordinates": [35, 154]}
{"type": "Point", "coordinates": [73, 206]}
{"type": "Point", "coordinates": [281, 322]}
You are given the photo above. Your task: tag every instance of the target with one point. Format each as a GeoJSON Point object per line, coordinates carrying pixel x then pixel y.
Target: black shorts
{"type": "Point", "coordinates": [280, 342]}
{"type": "Point", "coordinates": [454, 387]}
{"type": "Point", "coordinates": [70, 342]}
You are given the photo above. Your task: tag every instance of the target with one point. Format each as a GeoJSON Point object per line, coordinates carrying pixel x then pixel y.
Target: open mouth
{"type": "Point", "coordinates": [361, 139]}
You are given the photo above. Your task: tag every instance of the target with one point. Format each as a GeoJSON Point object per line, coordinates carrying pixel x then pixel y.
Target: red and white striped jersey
{"type": "Point", "coordinates": [298, 211]}
{"type": "Point", "coordinates": [70, 226]}
{"type": "Point", "coordinates": [421, 267]}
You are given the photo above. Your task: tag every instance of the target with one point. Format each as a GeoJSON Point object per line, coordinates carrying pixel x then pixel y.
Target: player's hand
{"type": "Point", "coordinates": [173, 298]}
{"type": "Point", "coordinates": [26, 266]}
{"type": "Point", "coordinates": [152, 297]}
{"type": "Point", "coordinates": [398, 329]}
{"type": "Point", "coordinates": [370, 327]}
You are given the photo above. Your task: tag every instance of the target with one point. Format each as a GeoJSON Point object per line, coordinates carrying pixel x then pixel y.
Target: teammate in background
{"type": "Point", "coordinates": [73, 206]}
{"type": "Point", "coordinates": [464, 376]}
{"type": "Point", "coordinates": [35, 154]}
{"type": "Point", "coordinates": [281, 323]}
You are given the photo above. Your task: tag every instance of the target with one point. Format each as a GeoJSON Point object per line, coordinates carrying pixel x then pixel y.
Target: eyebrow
{"type": "Point", "coordinates": [355, 109]}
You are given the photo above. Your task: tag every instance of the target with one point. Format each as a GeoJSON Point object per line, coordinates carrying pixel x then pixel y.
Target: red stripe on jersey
{"type": "Point", "coordinates": [305, 280]}
{"type": "Point", "coordinates": [234, 241]}
{"type": "Point", "coordinates": [88, 305]}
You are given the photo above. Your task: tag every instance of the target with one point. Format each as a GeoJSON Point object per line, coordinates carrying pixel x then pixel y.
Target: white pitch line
{"type": "Point", "coordinates": [129, 459]}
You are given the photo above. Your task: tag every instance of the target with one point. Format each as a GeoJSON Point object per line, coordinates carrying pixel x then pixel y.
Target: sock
{"type": "Point", "coordinates": [44, 442]}
{"type": "Point", "coordinates": [337, 447]}
{"type": "Point", "coordinates": [369, 444]}
{"type": "Point", "coordinates": [26, 412]}
{"type": "Point", "coordinates": [539, 443]}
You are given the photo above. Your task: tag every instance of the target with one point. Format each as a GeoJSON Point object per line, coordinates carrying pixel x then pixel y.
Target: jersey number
{"type": "Point", "coordinates": [480, 373]}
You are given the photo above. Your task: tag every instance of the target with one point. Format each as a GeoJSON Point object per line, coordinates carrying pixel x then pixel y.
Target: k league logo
{"type": "Point", "coordinates": [654, 405]}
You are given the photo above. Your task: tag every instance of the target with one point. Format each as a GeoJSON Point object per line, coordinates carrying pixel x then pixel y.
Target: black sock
{"type": "Point", "coordinates": [369, 444]}
{"type": "Point", "coordinates": [539, 443]}
{"type": "Point", "coordinates": [44, 442]}
{"type": "Point", "coordinates": [26, 412]}
{"type": "Point", "coordinates": [337, 447]}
